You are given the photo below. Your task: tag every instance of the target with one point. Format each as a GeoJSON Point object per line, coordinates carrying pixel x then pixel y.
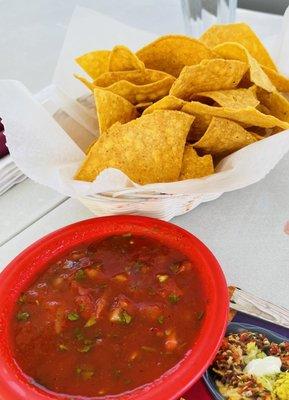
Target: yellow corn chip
{"type": "Point", "coordinates": [135, 93]}
{"type": "Point", "coordinates": [234, 98]}
{"type": "Point", "coordinates": [223, 137]}
{"type": "Point", "coordinates": [242, 34]}
{"type": "Point", "coordinates": [281, 82]}
{"type": "Point", "coordinates": [199, 127]}
{"type": "Point", "coordinates": [166, 103]}
{"type": "Point", "coordinates": [171, 53]}
{"type": "Point", "coordinates": [123, 59]}
{"type": "Point", "coordinates": [216, 74]}
{"type": "Point", "coordinates": [148, 149]}
{"type": "Point", "coordinates": [90, 146]}
{"type": "Point", "coordinates": [142, 106]}
{"type": "Point", "coordinates": [194, 166]}
{"type": "Point", "coordinates": [138, 77]}
{"type": "Point", "coordinates": [247, 115]}
{"type": "Point", "coordinates": [141, 93]}
{"type": "Point", "coordinates": [94, 63]}
{"type": "Point", "coordinates": [277, 104]}
{"type": "Point", "coordinates": [89, 84]}
{"type": "Point", "coordinates": [112, 108]}
{"type": "Point", "coordinates": [235, 51]}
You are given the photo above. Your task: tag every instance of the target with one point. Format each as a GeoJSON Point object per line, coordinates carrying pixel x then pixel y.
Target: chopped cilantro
{"type": "Point", "coordinates": [173, 298]}
{"type": "Point", "coordinates": [86, 375]}
{"type": "Point", "coordinates": [85, 348]}
{"type": "Point", "coordinates": [78, 334]}
{"type": "Point", "coordinates": [161, 319]}
{"type": "Point", "coordinates": [116, 373]}
{"type": "Point", "coordinates": [73, 316]}
{"type": "Point", "coordinates": [125, 318]}
{"type": "Point", "coordinates": [23, 316]}
{"type": "Point", "coordinates": [22, 299]}
{"type": "Point", "coordinates": [175, 267]}
{"type": "Point", "coordinates": [80, 275]}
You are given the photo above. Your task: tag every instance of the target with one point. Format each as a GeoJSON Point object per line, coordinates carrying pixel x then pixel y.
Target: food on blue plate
{"type": "Point", "coordinates": [249, 366]}
{"type": "Point", "coordinates": [226, 80]}
{"type": "Point", "coordinates": [109, 316]}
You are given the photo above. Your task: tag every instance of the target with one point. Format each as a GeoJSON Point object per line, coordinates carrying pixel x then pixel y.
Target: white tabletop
{"type": "Point", "coordinates": [244, 229]}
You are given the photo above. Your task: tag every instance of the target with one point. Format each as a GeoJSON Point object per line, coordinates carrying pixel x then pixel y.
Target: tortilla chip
{"type": "Point", "coordinates": [143, 106]}
{"type": "Point", "coordinates": [171, 53]}
{"type": "Point", "coordinates": [235, 51]}
{"type": "Point", "coordinates": [281, 82]}
{"type": "Point", "coordinates": [199, 127]}
{"type": "Point", "coordinates": [112, 108]}
{"type": "Point", "coordinates": [90, 146]}
{"type": "Point", "coordinates": [86, 82]}
{"type": "Point", "coordinates": [166, 103]}
{"type": "Point", "coordinates": [94, 63]}
{"type": "Point", "coordinates": [223, 137]}
{"type": "Point", "coordinates": [234, 98]}
{"type": "Point", "coordinates": [142, 93]}
{"type": "Point", "coordinates": [138, 77]}
{"type": "Point", "coordinates": [242, 34]}
{"type": "Point", "coordinates": [148, 149]}
{"type": "Point", "coordinates": [277, 104]}
{"type": "Point", "coordinates": [248, 115]}
{"type": "Point", "coordinates": [209, 75]}
{"type": "Point", "coordinates": [123, 59]}
{"type": "Point", "coordinates": [134, 93]}
{"type": "Point", "coordinates": [194, 166]}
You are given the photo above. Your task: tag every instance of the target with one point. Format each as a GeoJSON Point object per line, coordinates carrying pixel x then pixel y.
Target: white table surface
{"type": "Point", "coordinates": [244, 229]}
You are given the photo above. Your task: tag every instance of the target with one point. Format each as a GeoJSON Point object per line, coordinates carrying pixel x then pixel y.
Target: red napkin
{"type": "Point", "coordinates": [3, 148]}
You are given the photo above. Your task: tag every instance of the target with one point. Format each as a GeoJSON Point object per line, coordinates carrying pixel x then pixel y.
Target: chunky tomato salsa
{"type": "Point", "coordinates": [108, 317]}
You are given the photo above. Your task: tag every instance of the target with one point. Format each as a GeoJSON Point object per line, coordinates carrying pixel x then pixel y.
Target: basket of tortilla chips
{"type": "Point", "coordinates": [180, 121]}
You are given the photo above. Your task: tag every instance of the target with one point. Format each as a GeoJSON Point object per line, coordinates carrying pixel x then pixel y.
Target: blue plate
{"type": "Point", "coordinates": [235, 327]}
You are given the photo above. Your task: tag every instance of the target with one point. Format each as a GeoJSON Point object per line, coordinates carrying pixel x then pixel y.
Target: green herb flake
{"type": "Point", "coordinates": [22, 299]}
{"type": "Point", "coordinates": [62, 347]}
{"type": "Point", "coordinates": [138, 266]}
{"type": "Point", "coordinates": [173, 298]}
{"type": "Point", "coordinates": [90, 322]}
{"type": "Point", "coordinates": [73, 316]}
{"type": "Point", "coordinates": [86, 375]}
{"type": "Point", "coordinates": [125, 318]}
{"type": "Point", "coordinates": [80, 275]}
{"type": "Point", "coordinates": [161, 319]}
{"type": "Point", "coordinates": [78, 334]}
{"type": "Point", "coordinates": [116, 373]}
{"type": "Point", "coordinates": [175, 267]}
{"type": "Point", "coordinates": [23, 316]}
{"type": "Point", "coordinates": [200, 315]}
{"type": "Point", "coordinates": [85, 348]}
{"type": "Point", "coordinates": [162, 278]}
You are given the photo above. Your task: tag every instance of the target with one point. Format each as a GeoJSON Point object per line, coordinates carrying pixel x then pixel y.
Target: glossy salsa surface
{"type": "Point", "coordinates": [108, 317]}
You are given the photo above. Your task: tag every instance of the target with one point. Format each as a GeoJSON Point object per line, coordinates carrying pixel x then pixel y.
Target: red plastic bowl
{"type": "Point", "coordinates": [21, 272]}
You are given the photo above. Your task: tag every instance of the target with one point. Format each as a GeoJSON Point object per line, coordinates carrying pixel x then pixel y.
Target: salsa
{"type": "Point", "coordinates": [108, 317]}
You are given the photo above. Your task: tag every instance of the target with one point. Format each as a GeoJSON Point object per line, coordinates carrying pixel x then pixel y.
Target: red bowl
{"type": "Point", "coordinates": [21, 272]}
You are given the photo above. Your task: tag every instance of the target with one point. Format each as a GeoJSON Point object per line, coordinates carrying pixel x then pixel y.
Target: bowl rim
{"type": "Point", "coordinates": [174, 383]}
{"type": "Point", "coordinates": [235, 327]}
